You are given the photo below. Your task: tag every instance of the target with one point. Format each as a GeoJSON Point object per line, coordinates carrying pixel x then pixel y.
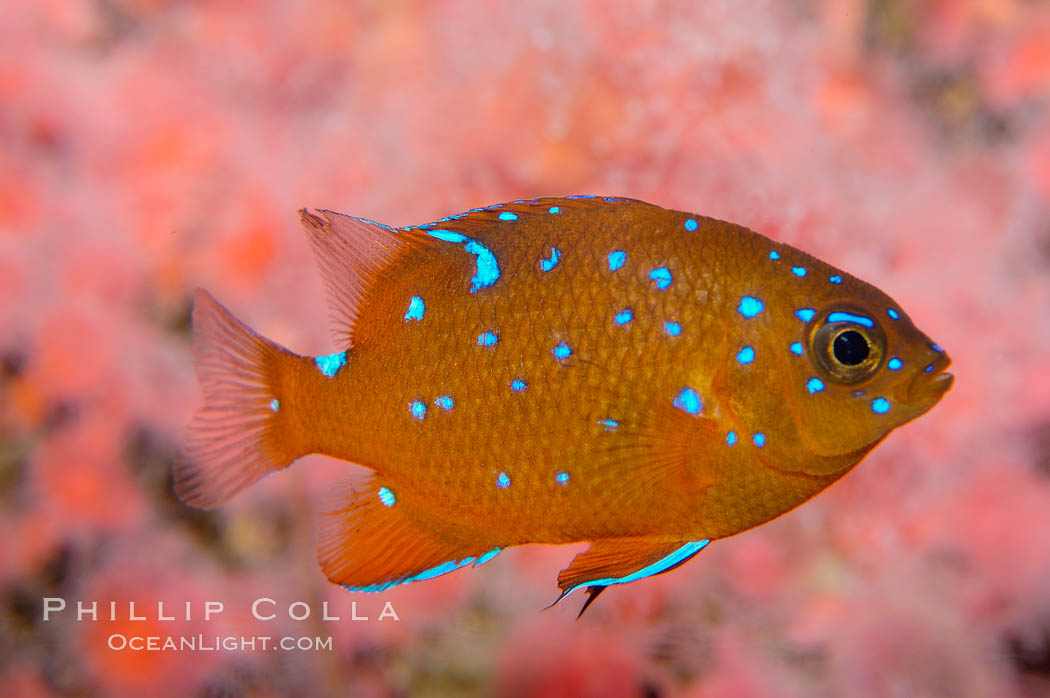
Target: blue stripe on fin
{"type": "Point", "coordinates": [482, 559]}
{"type": "Point", "coordinates": [676, 558]}
{"type": "Point", "coordinates": [437, 571]}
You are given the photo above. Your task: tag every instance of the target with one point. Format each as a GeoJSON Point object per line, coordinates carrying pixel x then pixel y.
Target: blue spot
{"type": "Point", "coordinates": [893, 313]}
{"type": "Point", "coordinates": [609, 424]}
{"type": "Point", "coordinates": [880, 405]}
{"type": "Point", "coordinates": [750, 306]}
{"type": "Point", "coordinates": [275, 405]}
{"type": "Point", "coordinates": [624, 316]}
{"type": "Point", "coordinates": [936, 348]}
{"type": "Point", "coordinates": [445, 402]}
{"type": "Point", "coordinates": [745, 355]}
{"type": "Point", "coordinates": [835, 279]}
{"type": "Point", "coordinates": [487, 339]}
{"type": "Point", "coordinates": [517, 385]}
{"type": "Point", "coordinates": [850, 317]}
{"type": "Point", "coordinates": [662, 277]}
{"type": "Point", "coordinates": [894, 363]}
{"type": "Point", "coordinates": [503, 481]}
{"type": "Point", "coordinates": [330, 365]}
{"type": "Point", "coordinates": [616, 259]}
{"type": "Point", "coordinates": [488, 269]}
{"type": "Point", "coordinates": [731, 438]}
{"type": "Point", "coordinates": [774, 255]}
{"type": "Point", "coordinates": [562, 478]}
{"type": "Point", "coordinates": [691, 225]}
{"type": "Point", "coordinates": [805, 314]}
{"type": "Point", "coordinates": [482, 559]}
{"type": "Point", "coordinates": [508, 216]}
{"type": "Point", "coordinates": [561, 351]}
{"type": "Point", "coordinates": [415, 309]}
{"type": "Point", "coordinates": [386, 497]}
{"type": "Point", "coordinates": [552, 261]}
{"type": "Point", "coordinates": [798, 271]}
{"type": "Point", "coordinates": [759, 438]}
{"type": "Point", "coordinates": [418, 408]}
{"type": "Point", "coordinates": [796, 348]}
{"type": "Point", "coordinates": [673, 328]}
{"type": "Point", "coordinates": [814, 385]}
{"type": "Point", "coordinates": [449, 236]}
{"type": "Point", "coordinates": [676, 558]}
{"type": "Point", "coordinates": [688, 401]}
{"type": "Point", "coordinates": [554, 209]}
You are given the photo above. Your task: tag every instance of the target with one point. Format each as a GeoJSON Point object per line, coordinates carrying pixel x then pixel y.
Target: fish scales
{"type": "Point", "coordinates": [564, 370]}
{"type": "Point", "coordinates": [494, 425]}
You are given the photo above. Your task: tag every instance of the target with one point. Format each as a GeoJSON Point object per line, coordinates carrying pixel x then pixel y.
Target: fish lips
{"type": "Point", "coordinates": [929, 384]}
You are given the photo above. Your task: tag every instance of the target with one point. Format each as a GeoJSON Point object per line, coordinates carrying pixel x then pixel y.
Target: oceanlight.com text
{"type": "Point", "coordinates": [119, 642]}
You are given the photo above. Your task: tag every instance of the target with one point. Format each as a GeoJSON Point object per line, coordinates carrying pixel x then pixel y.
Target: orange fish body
{"type": "Point", "coordinates": [555, 371]}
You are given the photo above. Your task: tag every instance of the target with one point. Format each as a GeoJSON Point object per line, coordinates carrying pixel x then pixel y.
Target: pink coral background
{"type": "Point", "coordinates": [151, 146]}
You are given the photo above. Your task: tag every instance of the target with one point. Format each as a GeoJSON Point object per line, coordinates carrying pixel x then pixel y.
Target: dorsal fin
{"type": "Point", "coordinates": [351, 253]}
{"type": "Point", "coordinates": [491, 217]}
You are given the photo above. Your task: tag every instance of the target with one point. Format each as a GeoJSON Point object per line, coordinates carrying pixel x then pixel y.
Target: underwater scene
{"type": "Point", "coordinates": [622, 349]}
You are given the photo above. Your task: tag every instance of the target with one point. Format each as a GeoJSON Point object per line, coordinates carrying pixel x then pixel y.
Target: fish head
{"type": "Point", "coordinates": [865, 370]}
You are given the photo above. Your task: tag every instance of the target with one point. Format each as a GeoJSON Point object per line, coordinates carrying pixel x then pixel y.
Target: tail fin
{"type": "Point", "coordinates": [236, 437]}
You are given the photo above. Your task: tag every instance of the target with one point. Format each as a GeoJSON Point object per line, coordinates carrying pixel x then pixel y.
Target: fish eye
{"type": "Point", "coordinates": [848, 345]}
{"type": "Point", "coordinates": [850, 348]}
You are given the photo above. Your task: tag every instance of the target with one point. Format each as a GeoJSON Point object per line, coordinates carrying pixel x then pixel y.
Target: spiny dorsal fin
{"type": "Point", "coordinates": [351, 253]}
{"type": "Point", "coordinates": [480, 220]}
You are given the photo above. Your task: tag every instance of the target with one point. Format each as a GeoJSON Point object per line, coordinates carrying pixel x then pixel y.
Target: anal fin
{"type": "Point", "coordinates": [373, 540]}
{"type": "Point", "coordinates": [621, 561]}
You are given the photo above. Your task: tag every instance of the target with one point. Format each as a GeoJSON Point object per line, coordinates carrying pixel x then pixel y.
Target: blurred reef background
{"type": "Point", "coordinates": [151, 146]}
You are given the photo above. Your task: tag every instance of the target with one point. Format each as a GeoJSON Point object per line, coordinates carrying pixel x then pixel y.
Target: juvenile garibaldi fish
{"type": "Point", "coordinates": [555, 371]}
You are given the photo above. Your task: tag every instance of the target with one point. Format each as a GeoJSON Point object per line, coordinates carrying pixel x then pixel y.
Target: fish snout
{"type": "Point", "coordinates": [930, 383]}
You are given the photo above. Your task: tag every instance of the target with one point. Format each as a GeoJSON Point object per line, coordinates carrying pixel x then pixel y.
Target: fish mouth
{"type": "Point", "coordinates": [931, 383]}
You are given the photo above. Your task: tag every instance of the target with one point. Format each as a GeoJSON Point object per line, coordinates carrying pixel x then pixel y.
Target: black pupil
{"type": "Point", "coordinates": [850, 348]}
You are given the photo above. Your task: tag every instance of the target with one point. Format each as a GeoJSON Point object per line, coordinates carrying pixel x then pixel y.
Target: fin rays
{"type": "Point", "coordinates": [233, 439]}
{"type": "Point", "coordinates": [351, 253]}
{"type": "Point", "coordinates": [366, 545]}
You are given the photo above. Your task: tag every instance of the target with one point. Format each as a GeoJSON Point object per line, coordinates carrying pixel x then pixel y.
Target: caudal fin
{"type": "Point", "coordinates": [239, 433]}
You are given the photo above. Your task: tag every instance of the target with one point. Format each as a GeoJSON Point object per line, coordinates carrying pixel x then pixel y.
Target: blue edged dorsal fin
{"type": "Point", "coordinates": [503, 217]}
{"type": "Point", "coordinates": [352, 252]}
{"type": "Point", "coordinates": [372, 538]}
